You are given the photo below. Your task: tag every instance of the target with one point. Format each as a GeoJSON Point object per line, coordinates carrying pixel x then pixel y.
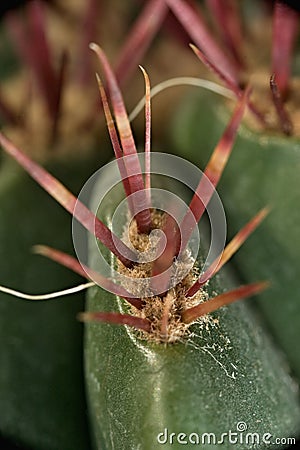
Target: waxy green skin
{"type": "Point", "coordinates": [209, 382]}
{"type": "Point", "coordinates": [42, 399]}
{"type": "Point", "coordinates": [263, 170]}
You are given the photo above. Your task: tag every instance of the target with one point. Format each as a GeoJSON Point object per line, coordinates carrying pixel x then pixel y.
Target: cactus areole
{"type": "Point", "coordinates": [161, 291]}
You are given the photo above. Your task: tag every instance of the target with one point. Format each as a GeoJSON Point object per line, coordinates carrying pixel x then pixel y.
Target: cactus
{"type": "Point", "coordinates": [182, 366]}
{"type": "Point", "coordinates": [199, 345]}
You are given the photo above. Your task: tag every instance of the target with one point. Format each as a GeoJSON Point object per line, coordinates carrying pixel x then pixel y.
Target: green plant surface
{"type": "Point", "coordinates": [42, 398]}
{"type": "Point", "coordinates": [263, 170]}
{"type": "Point", "coordinates": [217, 376]}
{"type": "Point", "coordinates": [9, 62]}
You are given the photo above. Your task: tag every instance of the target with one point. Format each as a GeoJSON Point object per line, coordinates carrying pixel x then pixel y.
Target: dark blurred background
{"type": "Point", "coordinates": [11, 4]}
{"type": "Point", "coordinates": [7, 5]}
